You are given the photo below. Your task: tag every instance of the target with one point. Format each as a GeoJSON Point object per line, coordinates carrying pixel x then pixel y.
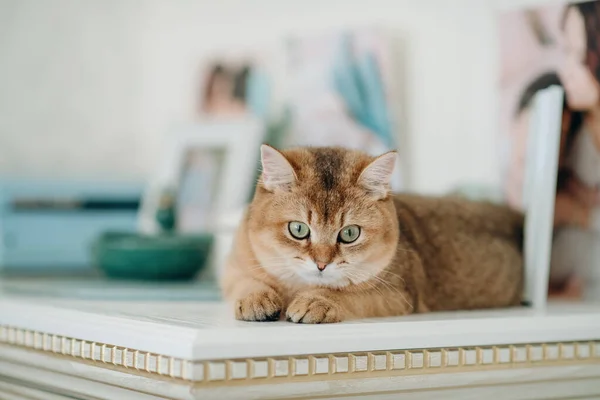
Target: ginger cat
{"type": "Point", "coordinates": [324, 240]}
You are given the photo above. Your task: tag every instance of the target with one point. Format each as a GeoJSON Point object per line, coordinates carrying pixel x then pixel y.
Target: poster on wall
{"type": "Point", "coordinates": [557, 46]}
{"type": "Point", "coordinates": [341, 92]}
{"type": "Point", "coordinates": [232, 86]}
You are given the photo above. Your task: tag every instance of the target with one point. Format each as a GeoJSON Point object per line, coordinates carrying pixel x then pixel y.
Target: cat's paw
{"type": "Point", "coordinates": [265, 305]}
{"type": "Point", "coordinates": [313, 309]}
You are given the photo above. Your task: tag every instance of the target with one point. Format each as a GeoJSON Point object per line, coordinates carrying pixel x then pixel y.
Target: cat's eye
{"type": "Point", "coordinates": [299, 230]}
{"type": "Point", "coordinates": [349, 234]}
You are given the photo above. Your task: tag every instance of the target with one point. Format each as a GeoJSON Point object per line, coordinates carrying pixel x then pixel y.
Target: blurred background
{"type": "Point", "coordinates": [125, 117]}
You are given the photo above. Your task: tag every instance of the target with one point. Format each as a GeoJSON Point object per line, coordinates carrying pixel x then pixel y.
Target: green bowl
{"type": "Point", "coordinates": [144, 257]}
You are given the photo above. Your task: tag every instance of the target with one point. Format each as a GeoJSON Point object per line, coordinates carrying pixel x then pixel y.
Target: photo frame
{"type": "Point", "coordinates": [540, 192]}
{"type": "Point", "coordinates": [233, 86]}
{"type": "Point", "coordinates": [540, 47]}
{"type": "Point", "coordinates": [230, 142]}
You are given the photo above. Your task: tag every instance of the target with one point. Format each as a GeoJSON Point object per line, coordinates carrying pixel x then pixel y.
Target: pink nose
{"type": "Point", "coordinates": [321, 266]}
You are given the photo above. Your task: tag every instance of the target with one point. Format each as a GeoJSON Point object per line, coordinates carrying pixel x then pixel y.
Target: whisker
{"type": "Point", "coordinates": [372, 282]}
{"type": "Point", "coordinates": [394, 289]}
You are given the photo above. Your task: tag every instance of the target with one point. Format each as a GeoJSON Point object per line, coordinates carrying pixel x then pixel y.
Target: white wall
{"type": "Point", "coordinates": [84, 88]}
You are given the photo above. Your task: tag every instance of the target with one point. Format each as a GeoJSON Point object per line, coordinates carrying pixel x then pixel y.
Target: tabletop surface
{"type": "Point", "coordinates": [194, 329]}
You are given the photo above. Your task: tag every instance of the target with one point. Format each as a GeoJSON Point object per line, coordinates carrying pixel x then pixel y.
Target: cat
{"type": "Point", "coordinates": [324, 241]}
{"type": "Point", "coordinates": [575, 250]}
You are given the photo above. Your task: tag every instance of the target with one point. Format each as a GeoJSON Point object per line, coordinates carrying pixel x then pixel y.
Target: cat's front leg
{"type": "Point", "coordinates": [318, 306]}
{"type": "Point", "coordinates": [258, 302]}
{"type": "Point", "coordinates": [315, 307]}
{"type": "Point", "coordinates": [253, 299]}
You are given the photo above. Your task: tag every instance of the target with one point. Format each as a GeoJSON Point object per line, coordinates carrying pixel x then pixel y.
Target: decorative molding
{"type": "Point", "coordinates": [101, 354]}
{"type": "Point", "coordinates": [310, 367]}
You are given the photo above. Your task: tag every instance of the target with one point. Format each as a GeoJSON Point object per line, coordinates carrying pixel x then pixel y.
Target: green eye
{"type": "Point", "coordinates": [299, 230]}
{"type": "Point", "coordinates": [349, 234]}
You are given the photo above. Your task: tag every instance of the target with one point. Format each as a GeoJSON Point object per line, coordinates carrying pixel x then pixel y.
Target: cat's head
{"type": "Point", "coordinates": [323, 216]}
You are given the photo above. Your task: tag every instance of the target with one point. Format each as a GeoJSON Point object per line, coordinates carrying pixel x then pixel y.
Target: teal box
{"type": "Point", "coordinates": [48, 226]}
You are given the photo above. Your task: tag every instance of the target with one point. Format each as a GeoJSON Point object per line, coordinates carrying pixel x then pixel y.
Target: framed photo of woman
{"type": "Point", "coordinates": [558, 45]}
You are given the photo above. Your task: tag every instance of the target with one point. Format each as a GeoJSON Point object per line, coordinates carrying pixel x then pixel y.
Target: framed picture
{"type": "Point", "coordinates": [343, 92]}
{"type": "Point", "coordinates": [210, 169]}
{"type": "Point", "coordinates": [557, 45]}
{"type": "Point", "coordinates": [234, 86]}
{"type": "Point", "coordinates": [542, 154]}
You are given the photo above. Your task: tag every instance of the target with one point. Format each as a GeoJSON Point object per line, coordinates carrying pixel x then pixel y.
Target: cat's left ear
{"type": "Point", "coordinates": [277, 172]}
{"type": "Point", "coordinates": [376, 176]}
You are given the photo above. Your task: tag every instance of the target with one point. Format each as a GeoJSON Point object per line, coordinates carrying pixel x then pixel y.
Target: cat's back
{"type": "Point", "coordinates": [459, 214]}
{"type": "Point", "coordinates": [470, 251]}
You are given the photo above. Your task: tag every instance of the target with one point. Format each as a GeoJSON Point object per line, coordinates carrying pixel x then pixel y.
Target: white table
{"type": "Point", "coordinates": [193, 350]}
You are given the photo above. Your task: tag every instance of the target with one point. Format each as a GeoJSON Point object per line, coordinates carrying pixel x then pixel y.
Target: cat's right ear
{"type": "Point", "coordinates": [277, 172]}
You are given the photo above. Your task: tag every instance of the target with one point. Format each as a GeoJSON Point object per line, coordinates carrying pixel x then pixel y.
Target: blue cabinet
{"type": "Point", "coordinates": [46, 238]}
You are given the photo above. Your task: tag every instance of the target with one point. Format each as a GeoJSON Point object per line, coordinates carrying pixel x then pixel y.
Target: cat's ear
{"type": "Point", "coordinates": [277, 172]}
{"type": "Point", "coordinates": [376, 176]}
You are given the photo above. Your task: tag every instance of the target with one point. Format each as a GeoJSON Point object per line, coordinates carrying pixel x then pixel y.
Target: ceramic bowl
{"type": "Point", "coordinates": [151, 257]}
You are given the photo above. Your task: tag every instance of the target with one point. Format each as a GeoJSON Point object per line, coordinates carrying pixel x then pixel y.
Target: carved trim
{"type": "Point", "coordinates": [310, 367]}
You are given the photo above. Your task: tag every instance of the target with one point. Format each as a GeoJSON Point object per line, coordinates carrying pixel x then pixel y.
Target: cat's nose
{"type": "Point", "coordinates": [321, 266]}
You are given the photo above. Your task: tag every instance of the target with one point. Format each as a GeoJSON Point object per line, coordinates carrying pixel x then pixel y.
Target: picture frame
{"type": "Point", "coordinates": [542, 46]}
{"type": "Point", "coordinates": [539, 192]}
{"type": "Point", "coordinates": [344, 89]}
{"type": "Point", "coordinates": [236, 142]}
